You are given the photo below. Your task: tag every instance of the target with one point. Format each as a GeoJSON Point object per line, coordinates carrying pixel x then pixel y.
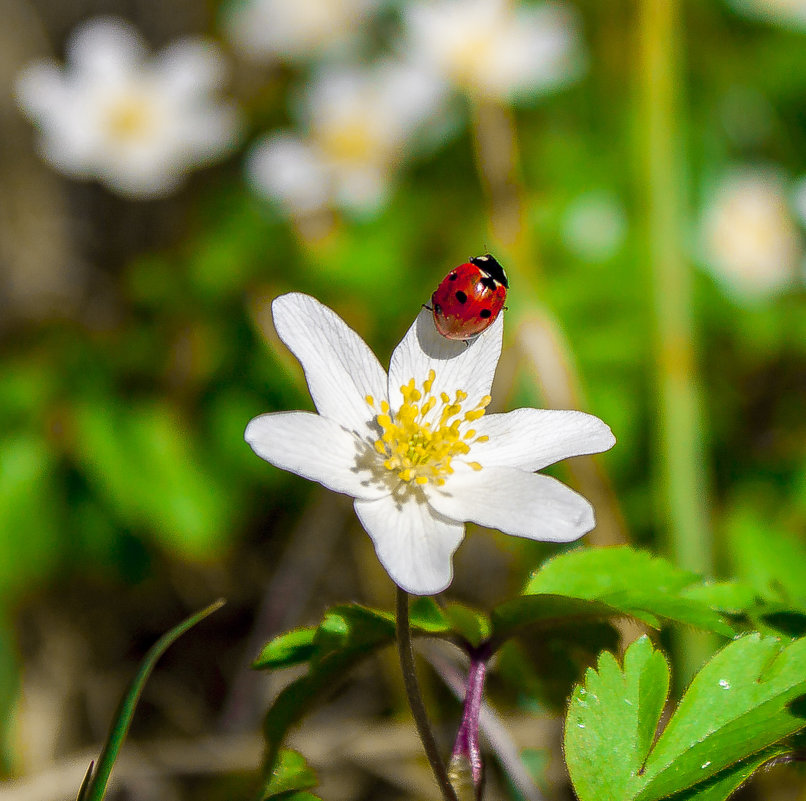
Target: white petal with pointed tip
{"type": "Point", "coordinates": [340, 368]}
{"type": "Point", "coordinates": [413, 544]}
{"type": "Point", "coordinates": [315, 448]}
{"type": "Point", "coordinates": [515, 502]}
{"type": "Point", "coordinates": [531, 439]}
{"type": "Point", "coordinates": [467, 366]}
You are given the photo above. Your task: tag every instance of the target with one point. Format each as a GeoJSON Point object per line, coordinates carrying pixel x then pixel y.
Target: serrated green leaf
{"type": "Point", "coordinates": [739, 706]}
{"type": "Point", "coordinates": [637, 583]}
{"type": "Point", "coordinates": [291, 774]}
{"type": "Point", "coordinates": [472, 625]}
{"type": "Point", "coordinates": [612, 721]}
{"type": "Point", "coordinates": [726, 782]}
{"type": "Point", "coordinates": [287, 649]}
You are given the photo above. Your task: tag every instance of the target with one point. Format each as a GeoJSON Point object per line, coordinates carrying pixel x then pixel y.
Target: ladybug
{"type": "Point", "coordinates": [469, 298]}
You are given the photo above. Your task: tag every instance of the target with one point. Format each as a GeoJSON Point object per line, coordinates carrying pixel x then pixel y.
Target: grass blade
{"type": "Point", "coordinates": [123, 718]}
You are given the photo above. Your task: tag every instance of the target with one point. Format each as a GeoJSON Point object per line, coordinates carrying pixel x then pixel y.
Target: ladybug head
{"type": "Point", "coordinates": [490, 265]}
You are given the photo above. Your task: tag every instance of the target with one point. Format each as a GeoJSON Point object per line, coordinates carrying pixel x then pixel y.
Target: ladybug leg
{"type": "Point", "coordinates": [426, 306]}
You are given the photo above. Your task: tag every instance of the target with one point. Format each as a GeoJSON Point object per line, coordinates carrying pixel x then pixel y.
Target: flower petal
{"type": "Point", "coordinates": [190, 68]}
{"type": "Point", "coordinates": [281, 167]}
{"type": "Point", "coordinates": [340, 368]}
{"type": "Point", "coordinates": [531, 439]}
{"type": "Point", "coordinates": [515, 502]}
{"type": "Point", "coordinates": [315, 448]}
{"type": "Point", "coordinates": [105, 49]}
{"type": "Point", "coordinates": [414, 544]}
{"type": "Point", "coordinates": [469, 366]}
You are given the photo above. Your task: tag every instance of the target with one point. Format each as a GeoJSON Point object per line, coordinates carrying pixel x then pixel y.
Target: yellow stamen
{"type": "Point", "coordinates": [418, 445]}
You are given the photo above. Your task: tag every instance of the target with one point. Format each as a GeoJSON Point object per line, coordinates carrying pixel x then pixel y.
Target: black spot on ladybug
{"type": "Point", "coordinates": [452, 277]}
{"type": "Point", "coordinates": [461, 297]}
{"type": "Point", "coordinates": [490, 265]}
{"type": "Point", "coordinates": [485, 313]}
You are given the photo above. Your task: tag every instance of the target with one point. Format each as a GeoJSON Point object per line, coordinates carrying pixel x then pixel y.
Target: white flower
{"type": "Point", "coordinates": [137, 124]}
{"type": "Point", "coordinates": [790, 13]}
{"type": "Point", "coordinates": [296, 29]}
{"type": "Point", "coordinates": [495, 48]}
{"type": "Point", "coordinates": [360, 123]}
{"type": "Point", "coordinates": [749, 235]}
{"type": "Point", "coordinates": [416, 449]}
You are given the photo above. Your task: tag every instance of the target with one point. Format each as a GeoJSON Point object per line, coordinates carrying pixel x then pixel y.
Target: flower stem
{"type": "Point", "coordinates": [681, 460]}
{"type": "Point", "coordinates": [467, 750]}
{"type": "Point", "coordinates": [415, 698]}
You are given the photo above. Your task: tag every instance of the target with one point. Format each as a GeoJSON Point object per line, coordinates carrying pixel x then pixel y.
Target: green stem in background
{"type": "Point", "coordinates": [416, 699]}
{"type": "Point", "coordinates": [682, 473]}
{"type": "Point", "coordinates": [541, 343]}
{"type": "Point", "coordinates": [498, 163]}
{"type": "Point", "coordinates": [94, 785]}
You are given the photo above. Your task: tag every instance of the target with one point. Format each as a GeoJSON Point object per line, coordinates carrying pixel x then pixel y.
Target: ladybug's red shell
{"type": "Point", "coordinates": [470, 298]}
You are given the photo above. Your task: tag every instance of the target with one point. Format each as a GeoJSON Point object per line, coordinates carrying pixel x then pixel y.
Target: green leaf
{"type": "Point", "coordinates": [731, 597]}
{"type": "Point", "coordinates": [141, 458]}
{"type": "Point", "coordinates": [95, 789]}
{"type": "Point", "coordinates": [612, 721]}
{"type": "Point", "coordinates": [347, 627]}
{"type": "Point", "coordinates": [426, 616]}
{"type": "Point", "coordinates": [472, 625]}
{"type": "Point", "coordinates": [546, 610]}
{"type": "Point", "coordinates": [347, 634]}
{"type": "Point", "coordinates": [635, 582]}
{"type": "Point", "coordinates": [350, 627]}
{"type": "Point", "coordinates": [726, 782]}
{"type": "Point", "coordinates": [768, 558]}
{"type": "Point", "coordinates": [738, 704]}
{"type": "Point", "coordinates": [30, 500]}
{"type": "Point", "coordinates": [287, 649]}
{"type": "Point", "coordinates": [745, 700]}
{"type": "Point", "coordinates": [290, 775]}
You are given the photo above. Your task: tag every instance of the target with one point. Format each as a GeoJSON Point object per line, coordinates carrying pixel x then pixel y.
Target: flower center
{"type": "Point", "coordinates": [131, 117]}
{"type": "Point", "coordinates": [349, 141]}
{"type": "Point", "coordinates": [419, 441]}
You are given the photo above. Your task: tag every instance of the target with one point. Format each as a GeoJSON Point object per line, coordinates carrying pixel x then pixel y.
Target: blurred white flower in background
{"type": "Point", "coordinates": [594, 226]}
{"type": "Point", "coordinates": [749, 235]}
{"type": "Point", "coordinates": [299, 29]}
{"type": "Point", "coordinates": [360, 123]}
{"type": "Point", "coordinates": [790, 13]}
{"type": "Point", "coordinates": [136, 123]}
{"type": "Point", "coordinates": [495, 49]}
